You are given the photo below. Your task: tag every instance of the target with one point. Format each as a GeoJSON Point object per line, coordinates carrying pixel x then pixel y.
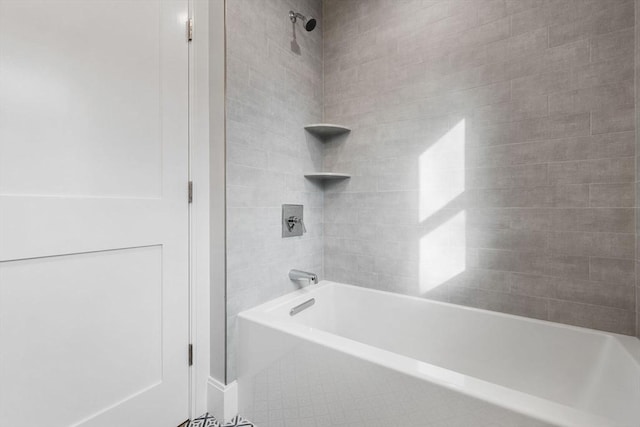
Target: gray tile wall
{"type": "Point", "coordinates": [274, 88]}
{"type": "Point", "coordinates": [493, 154]}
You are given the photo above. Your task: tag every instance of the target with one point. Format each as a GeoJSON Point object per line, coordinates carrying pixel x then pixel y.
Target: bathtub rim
{"type": "Point", "coordinates": [511, 399]}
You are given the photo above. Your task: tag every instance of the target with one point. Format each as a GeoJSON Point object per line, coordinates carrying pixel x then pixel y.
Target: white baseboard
{"type": "Point", "coordinates": [222, 400]}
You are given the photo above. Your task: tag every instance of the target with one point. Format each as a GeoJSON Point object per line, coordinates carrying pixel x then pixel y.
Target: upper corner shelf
{"type": "Point", "coordinates": [326, 130]}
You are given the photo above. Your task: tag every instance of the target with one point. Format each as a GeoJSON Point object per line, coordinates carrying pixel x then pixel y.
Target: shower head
{"type": "Point", "coordinates": [308, 23]}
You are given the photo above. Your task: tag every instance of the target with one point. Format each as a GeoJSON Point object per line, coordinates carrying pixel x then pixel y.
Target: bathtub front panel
{"type": "Point", "coordinates": [285, 380]}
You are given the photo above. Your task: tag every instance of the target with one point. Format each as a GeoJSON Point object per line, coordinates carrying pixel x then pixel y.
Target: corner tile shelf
{"type": "Point", "coordinates": [326, 131]}
{"type": "Point", "coordinates": [327, 176]}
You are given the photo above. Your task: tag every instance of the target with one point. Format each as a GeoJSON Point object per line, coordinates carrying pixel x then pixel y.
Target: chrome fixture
{"type": "Point", "coordinates": [308, 23]}
{"type": "Point", "coordinates": [298, 308]}
{"type": "Point", "coordinates": [296, 275]}
{"type": "Point", "coordinates": [293, 220]}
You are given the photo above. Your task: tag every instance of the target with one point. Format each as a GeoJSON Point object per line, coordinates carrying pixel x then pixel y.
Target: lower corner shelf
{"type": "Point", "coordinates": [324, 176]}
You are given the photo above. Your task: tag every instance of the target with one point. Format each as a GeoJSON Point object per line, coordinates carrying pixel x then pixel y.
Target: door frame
{"type": "Point", "coordinates": [207, 246]}
{"type": "Point", "coordinates": [198, 209]}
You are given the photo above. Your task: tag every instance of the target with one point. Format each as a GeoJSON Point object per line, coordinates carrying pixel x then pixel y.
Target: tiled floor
{"type": "Point", "coordinates": [207, 420]}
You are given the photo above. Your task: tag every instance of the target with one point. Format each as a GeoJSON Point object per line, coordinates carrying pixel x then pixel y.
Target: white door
{"type": "Point", "coordinates": [93, 213]}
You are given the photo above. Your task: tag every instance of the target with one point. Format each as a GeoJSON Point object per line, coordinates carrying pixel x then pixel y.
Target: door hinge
{"type": "Point", "coordinates": [190, 192]}
{"type": "Point", "coordinates": [190, 29]}
{"type": "Point", "coordinates": [190, 354]}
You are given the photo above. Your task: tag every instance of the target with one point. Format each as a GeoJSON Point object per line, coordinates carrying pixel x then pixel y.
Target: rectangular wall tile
{"type": "Point", "coordinates": [592, 316]}
{"type": "Point", "coordinates": [614, 271]}
{"type": "Point", "coordinates": [531, 285]}
{"type": "Point", "coordinates": [614, 195]}
{"type": "Point", "coordinates": [617, 43]}
{"type": "Point", "coordinates": [596, 293]}
{"type": "Point", "coordinates": [600, 171]}
{"type": "Point", "coordinates": [610, 245]}
{"type": "Point", "coordinates": [620, 15]}
{"type": "Point", "coordinates": [618, 220]}
{"type": "Point", "coordinates": [612, 120]}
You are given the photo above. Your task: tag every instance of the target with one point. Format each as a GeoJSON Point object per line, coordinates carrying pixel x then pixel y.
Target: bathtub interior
{"type": "Point", "coordinates": [587, 370]}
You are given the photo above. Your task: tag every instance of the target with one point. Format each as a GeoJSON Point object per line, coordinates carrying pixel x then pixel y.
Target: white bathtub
{"type": "Point", "coordinates": [360, 357]}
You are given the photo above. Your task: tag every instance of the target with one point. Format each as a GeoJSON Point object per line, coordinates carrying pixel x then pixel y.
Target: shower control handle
{"type": "Point", "coordinates": [293, 220]}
